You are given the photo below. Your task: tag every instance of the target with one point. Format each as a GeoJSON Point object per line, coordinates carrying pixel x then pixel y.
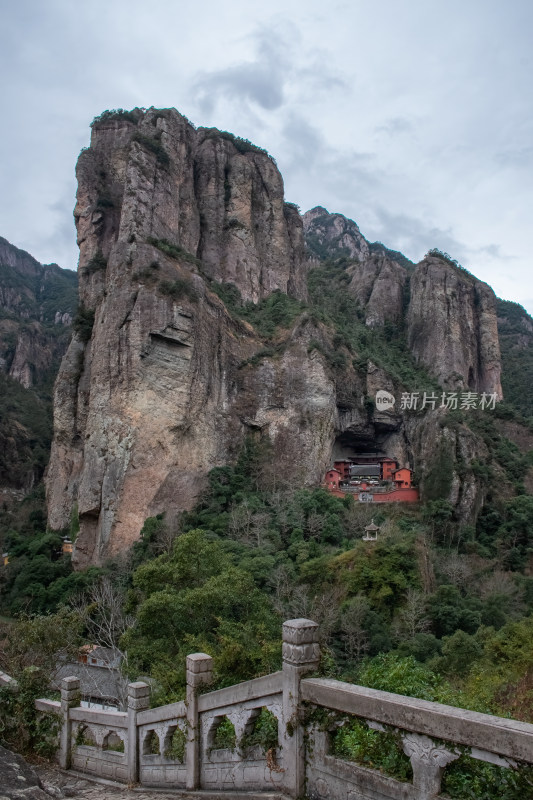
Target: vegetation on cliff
{"type": "Point", "coordinates": [428, 590]}
{"type": "Point", "coordinates": [515, 329]}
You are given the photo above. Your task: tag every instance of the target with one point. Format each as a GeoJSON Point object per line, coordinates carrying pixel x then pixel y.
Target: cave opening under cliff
{"type": "Point", "coordinates": [351, 444]}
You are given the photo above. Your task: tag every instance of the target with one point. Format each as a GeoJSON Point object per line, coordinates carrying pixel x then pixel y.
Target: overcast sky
{"type": "Point", "coordinates": [412, 117]}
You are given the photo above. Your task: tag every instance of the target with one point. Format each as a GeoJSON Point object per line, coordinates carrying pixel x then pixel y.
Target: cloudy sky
{"type": "Point", "coordinates": [413, 117]}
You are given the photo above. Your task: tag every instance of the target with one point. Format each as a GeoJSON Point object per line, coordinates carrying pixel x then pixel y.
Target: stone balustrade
{"type": "Point", "coordinates": [432, 736]}
{"type": "Point", "coordinates": [176, 745]}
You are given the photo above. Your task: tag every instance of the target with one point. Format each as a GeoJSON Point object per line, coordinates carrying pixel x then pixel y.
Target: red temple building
{"type": "Point", "coordinates": [371, 478]}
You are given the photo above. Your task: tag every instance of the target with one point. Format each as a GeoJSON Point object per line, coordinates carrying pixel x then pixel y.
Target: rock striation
{"type": "Point", "coordinates": [216, 197]}
{"type": "Point", "coordinates": [334, 235]}
{"type": "Point", "coordinates": [161, 383]}
{"type": "Point", "coordinates": [37, 304]}
{"type": "Point", "coordinates": [379, 285]}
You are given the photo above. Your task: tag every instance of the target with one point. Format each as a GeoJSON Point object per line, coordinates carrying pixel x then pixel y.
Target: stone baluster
{"type": "Point", "coordinates": [428, 761]}
{"type": "Point", "coordinates": [301, 654]}
{"type": "Point", "coordinates": [70, 697]}
{"type": "Point", "coordinates": [138, 700]}
{"type": "Point", "coordinates": [199, 673]}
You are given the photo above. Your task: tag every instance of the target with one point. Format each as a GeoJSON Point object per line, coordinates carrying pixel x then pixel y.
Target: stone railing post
{"type": "Point", "coordinates": [138, 700]}
{"type": "Point", "coordinates": [301, 654]}
{"type": "Point", "coordinates": [199, 673]}
{"type": "Point", "coordinates": [70, 697]}
{"type": "Point", "coordinates": [428, 761]}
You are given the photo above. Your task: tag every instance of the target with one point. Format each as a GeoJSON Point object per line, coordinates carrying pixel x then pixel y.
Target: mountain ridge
{"type": "Point", "coordinates": [170, 219]}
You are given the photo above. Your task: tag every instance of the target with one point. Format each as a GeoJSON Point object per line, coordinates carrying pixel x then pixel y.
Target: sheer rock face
{"type": "Point", "coordinates": [36, 353]}
{"type": "Point", "coordinates": [452, 327]}
{"type": "Point", "coordinates": [19, 260]}
{"type": "Point", "coordinates": [155, 398]}
{"type": "Point", "coordinates": [378, 283]}
{"type": "Point", "coordinates": [161, 400]}
{"type": "Point", "coordinates": [163, 179]}
{"type": "Point", "coordinates": [451, 321]}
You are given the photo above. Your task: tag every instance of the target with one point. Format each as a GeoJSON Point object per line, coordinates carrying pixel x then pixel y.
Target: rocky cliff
{"type": "Point", "coordinates": [37, 304]}
{"type": "Point", "coordinates": [164, 379]}
{"type": "Point", "coordinates": [452, 327]}
{"type": "Point", "coordinates": [515, 330]}
{"type": "Point", "coordinates": [448, 316]}
{"type": "Point", "coordinates": [154, 398]}
{"type": "Point", "coordinates": [332, 235]}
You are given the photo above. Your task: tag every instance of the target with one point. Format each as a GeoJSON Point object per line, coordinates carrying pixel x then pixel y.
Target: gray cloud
{"type": "Point", "coordinates": [268, 79]}
{"type": "Point", "coordinates": [396, 125]}
{"type": "Point", "coordinates": [413, 236]}
{"type": "Point", "coordinates": [61, 237]}
{"type": "Point", "coordinates": [260, 81]}
{"type": "Point", "coordinates": [493, 251]}
{"type": "Point", "coordinates": [307, 157]}
{"type": "Point", "coordinates": [520, 158]}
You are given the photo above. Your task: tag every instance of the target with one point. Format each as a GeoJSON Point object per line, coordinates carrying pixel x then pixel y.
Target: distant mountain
{"type": "Point", "coordinates": [515, 328]}
{"type": "Point", "coordinates": [37, 305]}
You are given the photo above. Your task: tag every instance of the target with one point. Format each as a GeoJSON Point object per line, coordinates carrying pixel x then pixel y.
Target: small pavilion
{"type": "Point", "coordinates": [371, 532]}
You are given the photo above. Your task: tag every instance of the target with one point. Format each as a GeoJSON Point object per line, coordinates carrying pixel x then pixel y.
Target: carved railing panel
{"type": "Point", "coordinates": [99, 749]}
{"type": "Point", "coordinates": [161, 762]}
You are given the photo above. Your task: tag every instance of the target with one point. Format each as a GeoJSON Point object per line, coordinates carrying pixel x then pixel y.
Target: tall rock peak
{"type": "Point", "coordinates": [217, 197]}
{"type": "Point", "coordinates": [448, 315]}
{"type": "Point", "coordinates": [149, 396]}
{"type": "Point", "coordinates": [452, 326]}
{"type": "Point", "coordinates": [34, 299]}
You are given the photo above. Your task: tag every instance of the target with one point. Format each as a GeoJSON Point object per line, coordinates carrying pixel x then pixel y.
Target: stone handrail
{"type": "Point", "coordinates": [91, 716]}
{"type": "Point", "coordinates": [154, 715]}
{"type": "Point", "coordinates": [506, 737]}
{"type": "Point", "coordinates": [48, 706]}
{"type": "Point", "coordinates": [241, 692]}
{"type": "Point", "coordinates": [175, 746]}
